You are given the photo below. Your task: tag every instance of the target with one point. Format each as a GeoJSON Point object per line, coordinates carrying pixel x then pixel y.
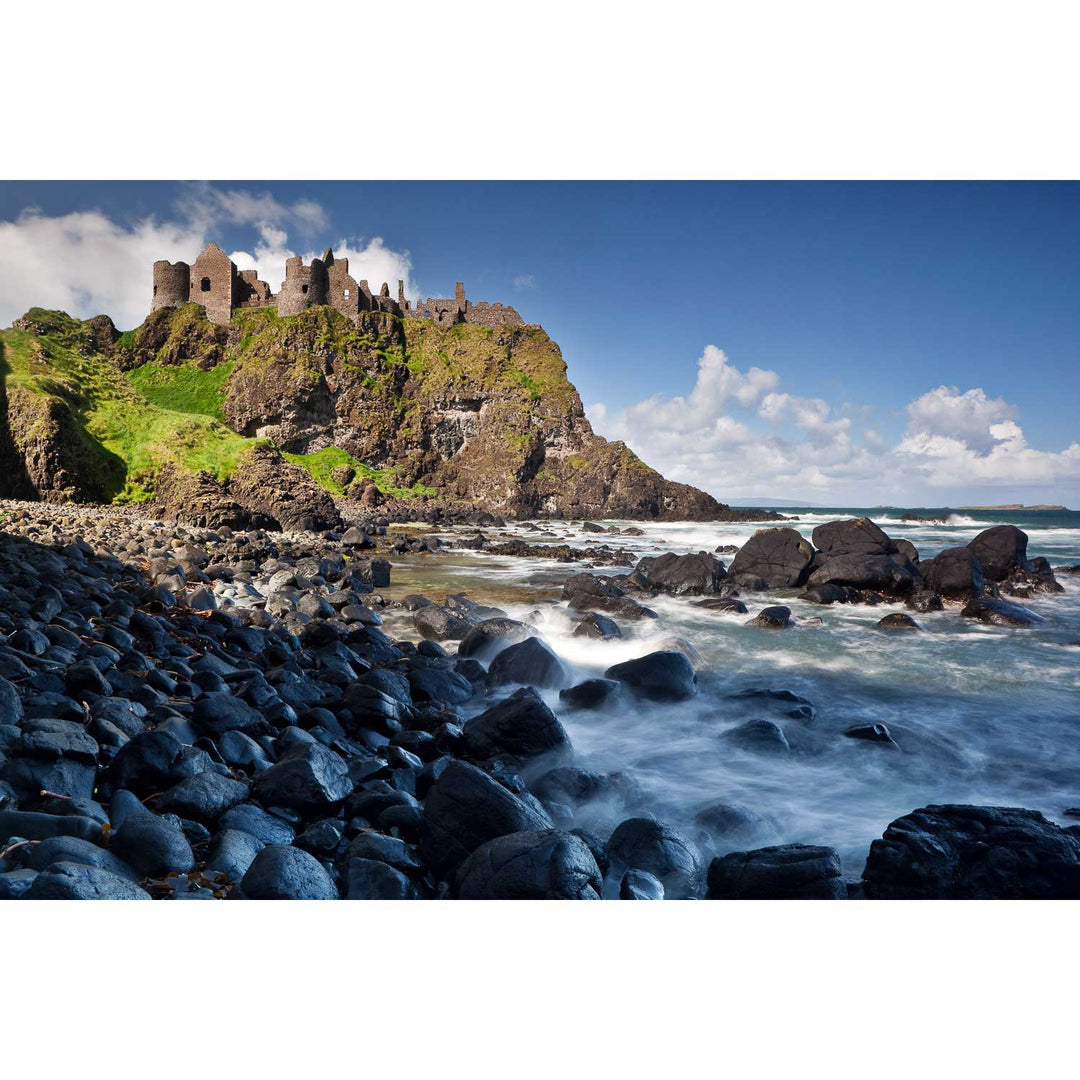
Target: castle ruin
{"type": "Point", "coordinates": [214, 281]}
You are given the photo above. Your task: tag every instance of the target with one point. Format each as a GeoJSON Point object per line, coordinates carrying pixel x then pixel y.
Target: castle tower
{"type": "Point", "coordinates": [172, 284]}
{"type": "Point", "coordinates": [213, 283]}
{"type": "Point", "coordinates": [342, 290]}
{"type": "Point", "coordinates": [303, 287]}
{"type": "Point", "coordinates": [402, 302]}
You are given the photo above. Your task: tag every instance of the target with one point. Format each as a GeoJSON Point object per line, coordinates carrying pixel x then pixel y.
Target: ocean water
{"type": "Point", "coordinates": [982, 714]}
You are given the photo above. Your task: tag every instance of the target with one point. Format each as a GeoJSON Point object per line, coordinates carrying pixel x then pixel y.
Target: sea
{"type": "Point", "coordinates": [981, 714]}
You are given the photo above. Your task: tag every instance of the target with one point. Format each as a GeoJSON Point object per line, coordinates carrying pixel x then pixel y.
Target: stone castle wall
{"type": "Point", "coordinates": [214, 282]}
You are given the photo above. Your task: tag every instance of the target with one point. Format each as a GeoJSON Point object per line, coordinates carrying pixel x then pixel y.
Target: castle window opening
{"type": "Point", "coordinates": [346, 294]}
{"type": "Point", "coordinates": [205, 284]}
{"type": "Point", "coordinates": [303, 288]}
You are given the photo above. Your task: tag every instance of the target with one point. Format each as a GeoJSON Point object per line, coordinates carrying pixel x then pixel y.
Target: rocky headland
{"type": "Point", "coordinates": [285, 422]}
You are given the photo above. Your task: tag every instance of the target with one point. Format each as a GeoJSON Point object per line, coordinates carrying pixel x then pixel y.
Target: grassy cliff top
{"type": "Point", "coordinates": [143, 431]}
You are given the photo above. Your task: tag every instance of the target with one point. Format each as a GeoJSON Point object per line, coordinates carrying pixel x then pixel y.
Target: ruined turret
{"type": "Point", "coordinates": [172, 284]}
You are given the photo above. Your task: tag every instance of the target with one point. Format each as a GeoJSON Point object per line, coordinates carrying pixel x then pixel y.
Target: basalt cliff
{"type": "Point", "coordinates": [276, 419]}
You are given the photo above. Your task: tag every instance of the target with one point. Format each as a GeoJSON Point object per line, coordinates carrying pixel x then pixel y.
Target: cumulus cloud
{"type": "Point", "coordinates": [87, 263]}
{"type": "Point", "coordinates": [739, 433]}
{"type": "Point", "coordinates": [967, 416]}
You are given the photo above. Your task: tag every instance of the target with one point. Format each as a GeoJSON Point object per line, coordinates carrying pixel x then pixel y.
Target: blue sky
{"type": "Point", "coordinates": [914, 341]}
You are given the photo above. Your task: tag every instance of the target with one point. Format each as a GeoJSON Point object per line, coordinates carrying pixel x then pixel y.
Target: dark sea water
{"type": "Point", "coordinates": [982, 714]}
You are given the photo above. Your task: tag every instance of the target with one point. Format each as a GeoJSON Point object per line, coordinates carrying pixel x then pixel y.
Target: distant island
{"type": "Point", "coordinates": [1013, 506]}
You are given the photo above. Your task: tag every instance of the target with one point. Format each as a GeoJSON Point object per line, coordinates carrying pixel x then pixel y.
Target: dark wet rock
{"type": "Point", "coordinates": [776, 617]}
{"type": "Point", "coordinates": [640, 885]}
{"type": "Point", "coordinates": [204, 797]}
{"type": "Point", "coordinates": [520, 725]}
{"type": "Point", "coordinates": [659, 676]}
{"type": "Point", "coordinates": [464, 809]}
{"type": "Point", "coordinates": [681, 575]}
{"type": "Point", "coordinates": [852, 536]}
{"type": "Point", "coordinates": [722, 603]}
{"type": "Point", "coordinates": [730, 827]}
{"type": "Point", "coordinates": [145, 764]}
{"type": "Point", "coordinates": [572, 785]}
{"type": "Point", "coordinates": [1000, 551]}
{"type": "Point", "coordinates": [590, 694]}
{"type": "Point", "coordinates": [435, 686]}
{"type": "Point", "coordinates": [14, 884]}
{"type": "Point", "coordinates": [897, 622]}
{"type": "Point", "coordinates": [369, 844]}
{"type": "Point", "coordinates": [973, 853]}
{"type": "Point", "coordinates": [865, 572]}
{"type": "Point", "coordinates": [924, 601]}
{"type": "Point", "coordinates": [72, 849]}
{"type": "Point", "coordinates": [1001, 613]}
{"type": "Point", "coordinates": [152, 845]}
{"type": "Point", "coordinates": [778, 557]}
{"type": "Point", "coordinates": [595, 625]}
{"type": "Point", "coordinates": [371, 879]}
{"type": "Point", "coordinates": [30, 825]}
{"type": "Point", "coordinates": [591, 592]}
{"type": "Point", "coordinates": [645, 844]}
{"type": "Point", "coordinates": [829, 594]}
{"type": "Point", "coordinates": [74, 881]}
{"type": "Point", "coordinates": [441, 623]}
{"type": "Point", "coordinates": [311, 780]}
{"type": "Point", "coordinates": [493, 634]}
{"type": "Point", "coordinates": [264, 826]}
{"type": "Point", "coordinates": [760, 736]}
{"type": "Point", "coordinates": [542, 865]}
{"type": "Point", "coordinates": [287, 873]}
{"type": "Point", "coordinates": [217, 713]}
{"type": "Point", "coordinates": [790, 703]}
{"type": "Point", "coordinates": [529, 663]}
{"type": "Point", "coordinates": [955, 573]}
{"type": "Point", "coordinates": [875, 733]}
{"type": "Point", "coordinates": [232, 853]}
{"type": "Point", "coordinates": [787, 872]}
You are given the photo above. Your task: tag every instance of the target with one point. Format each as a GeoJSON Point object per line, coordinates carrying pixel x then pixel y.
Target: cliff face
{"type": "Point", "coordinates": [195, 414]}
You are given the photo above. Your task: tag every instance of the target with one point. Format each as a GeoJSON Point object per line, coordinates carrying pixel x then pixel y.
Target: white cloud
{"type": "Point", "coordinates": [738, 433]}
{"type": "Point", "coordinates": [525, 281]}
{"type": "Point", "coordinates": [967, 416]}
{"type": "Point", "coordinates": [87, 264]}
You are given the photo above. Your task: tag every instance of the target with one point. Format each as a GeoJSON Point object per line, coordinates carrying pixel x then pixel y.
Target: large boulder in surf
{"type": "Point", "coordinates": [787, 872]}
{"type": "Point", "coordinates": [681, 575]}
{"type": "Point", "coordinates": [852, 536]}
{"type": "Point", "coordinates": [779, 557]}
{"type": "Point", "coordinates": [1000, 613]}
{"type": "Point", "coordinates": [955, 573]}
{"type": "Point", "coordinates": [861, 571]}
{"type": "Point", "coordinates": [438, 622]}
{"type": "Point", "coordinates": [1001, 551]}
{"type": "Point", "coordinates": [520, 725]}
{"type": "Point", "coordinates": [493, 634]}
{"type": "Point", "coordinates": [660, 676]}
{"type": "Point", "coordinates": [973, 853]}
{"type": "Point", "coordinates": [529, 663]}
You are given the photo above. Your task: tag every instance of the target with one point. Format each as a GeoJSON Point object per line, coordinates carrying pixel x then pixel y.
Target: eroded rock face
{"type": "Point", "coordinates": [973, 853]}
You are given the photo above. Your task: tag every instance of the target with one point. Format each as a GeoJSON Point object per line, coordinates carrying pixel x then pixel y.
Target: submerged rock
{"type": "Point", "coordinates": [897, 622]}
{"type": "Point", "coordinates": [1001, 613]}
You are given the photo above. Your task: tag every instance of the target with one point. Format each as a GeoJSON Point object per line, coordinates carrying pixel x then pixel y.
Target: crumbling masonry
{"type": "Point", "coordinates": [213, 281]}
